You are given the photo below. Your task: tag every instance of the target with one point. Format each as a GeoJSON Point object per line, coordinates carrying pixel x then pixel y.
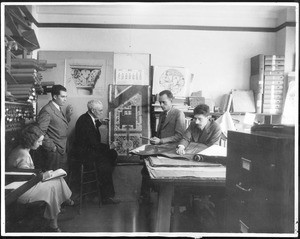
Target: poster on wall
{"type": "Point", "coordinates": [84, 76]}
{"type": "Point", "coordinates": [130, 77]}
{"type": "Point", "coordinates": [175, 79]}
{"type": "Point", "coordinates": [129, 119]}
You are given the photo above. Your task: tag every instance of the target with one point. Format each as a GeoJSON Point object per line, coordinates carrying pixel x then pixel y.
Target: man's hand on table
{"type": "Point", "coordinates": [154, 140]}
{"type": "Point", "coordinates": [180, 150]}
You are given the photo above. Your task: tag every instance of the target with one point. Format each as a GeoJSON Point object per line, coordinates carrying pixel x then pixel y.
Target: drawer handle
{"type": "Point", "coordinates": [244, 189]}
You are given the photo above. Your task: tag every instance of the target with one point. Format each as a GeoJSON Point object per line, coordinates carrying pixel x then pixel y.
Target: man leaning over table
{"type": "Point", "coordinates": [170, 129]}
{"type": "Point", "coordinates": [203, 130]}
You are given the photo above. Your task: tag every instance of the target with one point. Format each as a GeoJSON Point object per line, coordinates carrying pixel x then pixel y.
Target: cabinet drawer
{"type": "Point", "coordinates": [238, 218]}
{"type": "Point", "coordinates": [250, 169]}
{"type": "Point", "coordinates": [250, 219]}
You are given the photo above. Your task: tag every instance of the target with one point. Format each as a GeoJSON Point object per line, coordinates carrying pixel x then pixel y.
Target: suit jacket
{"type": "Point", "coordinates": [210, 135]}
{"type": "Point", "coordinates": [173, 128]}
{"type": "Point", "coordinates": [87, 143]}
{"type": "Point", "coordinates": [55, 127]}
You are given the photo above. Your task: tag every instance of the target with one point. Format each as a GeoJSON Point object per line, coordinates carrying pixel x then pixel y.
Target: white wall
{"type": "Point", "coordinates": [219, 60]}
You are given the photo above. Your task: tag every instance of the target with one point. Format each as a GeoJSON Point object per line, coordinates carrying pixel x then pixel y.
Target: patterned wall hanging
{"type": "Point", "coordinates": [129, 118]}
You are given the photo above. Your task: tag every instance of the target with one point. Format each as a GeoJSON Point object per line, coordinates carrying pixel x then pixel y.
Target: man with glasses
{"type": "Point", "coordinates": [203, 130]}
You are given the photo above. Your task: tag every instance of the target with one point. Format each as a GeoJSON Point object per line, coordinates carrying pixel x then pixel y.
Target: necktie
{"type": "Point", "coordinates": [61, 112]}
{"type": "Point", "coordinates": [162, 121]}
{"type": "Point", "coordinates": [98, 124]}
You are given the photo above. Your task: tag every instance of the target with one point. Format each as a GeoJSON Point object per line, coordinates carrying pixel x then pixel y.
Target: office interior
{"type": "Point", "coordinates": [220, 47]}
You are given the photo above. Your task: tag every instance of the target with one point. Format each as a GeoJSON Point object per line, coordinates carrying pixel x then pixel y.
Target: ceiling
{"type": "Point", "coordinates": [221, 14]}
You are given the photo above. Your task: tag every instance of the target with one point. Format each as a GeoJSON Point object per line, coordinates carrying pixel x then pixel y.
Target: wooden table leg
{"type": "Point", "coordinates": [165, 195]}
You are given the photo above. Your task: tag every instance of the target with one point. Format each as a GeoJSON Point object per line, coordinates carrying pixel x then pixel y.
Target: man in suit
{"type": "Point", "coordinates": [54, 123]}
{"type": "Point", "coordinates": [203, 130]}
{"type": "Point", "coordinates": [89, 149]}
{"type": "Point", "coordinates": [171, 123]}
{"type": "Point", "coordinates": [170, 129]}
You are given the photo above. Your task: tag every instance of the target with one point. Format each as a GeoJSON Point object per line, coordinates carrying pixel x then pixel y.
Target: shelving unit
{"type": "Point", "coordinates": [23, 77]}
{"type": "Point", "coordinates": [268, 84]}
{"type": "Point", "coordinates": [22, 73]}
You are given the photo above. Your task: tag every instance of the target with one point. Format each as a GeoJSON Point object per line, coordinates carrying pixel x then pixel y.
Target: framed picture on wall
{"type": "Point", "coordinates": [84, 76]}
{"type": "Point", "coordinates": [175, 79]}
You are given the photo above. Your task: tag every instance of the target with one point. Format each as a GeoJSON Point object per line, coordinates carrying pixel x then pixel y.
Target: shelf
{"type": "Point", "coordinates": [9, 78]}
{"type": "Point", "coordinates": [26, 43]}
{"type": "Point", "coordinates": [20, 49]}
{"type": "Point", "coordinates": [17, 19]}
{"type": "Point", "coordinates": [26, 78]}
{"type": "Point", "coordinates": [28, 63]}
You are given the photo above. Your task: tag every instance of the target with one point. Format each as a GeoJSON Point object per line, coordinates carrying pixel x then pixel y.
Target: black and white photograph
{"type": "Point", "coordinates": [149, 119]}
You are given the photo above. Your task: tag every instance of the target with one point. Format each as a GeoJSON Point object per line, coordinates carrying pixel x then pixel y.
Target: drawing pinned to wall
{"type": "Point", "coordinates": [82, 76]}
{"type": "Point", "coordinates": [130, 77]}
{"type": "Point", "coordinates": [175, 79]}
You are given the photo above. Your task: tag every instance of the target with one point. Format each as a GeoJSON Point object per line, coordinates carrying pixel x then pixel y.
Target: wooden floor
{"type": "Point", "coordinates": [130, 216]}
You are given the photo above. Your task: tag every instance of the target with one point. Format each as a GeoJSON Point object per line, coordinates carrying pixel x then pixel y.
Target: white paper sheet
{"type": "Point", "coordinates": [215, 151]}
{"type": "Point", "coordinates": [19, 173]}
{"type": "Point", "coordinates": [15, 185]}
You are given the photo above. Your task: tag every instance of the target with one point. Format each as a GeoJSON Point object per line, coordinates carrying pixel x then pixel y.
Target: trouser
{"type": "Point", "coordinates": [106, 165]}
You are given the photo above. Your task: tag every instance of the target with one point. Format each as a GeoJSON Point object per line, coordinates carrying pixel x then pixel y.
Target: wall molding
{"type": "Point", "coordinates": [156, 27]}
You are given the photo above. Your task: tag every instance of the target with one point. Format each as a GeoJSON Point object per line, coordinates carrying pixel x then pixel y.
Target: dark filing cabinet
{"type": "Point", "coordinates": [260, 182]}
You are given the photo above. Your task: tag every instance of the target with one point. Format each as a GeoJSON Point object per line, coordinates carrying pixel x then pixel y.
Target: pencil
{"type": "Point", "coordinates": [145, 138]}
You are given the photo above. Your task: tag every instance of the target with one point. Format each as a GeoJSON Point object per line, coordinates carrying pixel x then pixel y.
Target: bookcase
{"type": "Point", "coordinates": [268, 83]}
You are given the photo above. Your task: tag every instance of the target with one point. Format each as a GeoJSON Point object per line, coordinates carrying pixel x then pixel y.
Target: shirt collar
{"type": "Point", "coordinates": [56, 105]}
{"type": "Point", "coordinates": [93, 119]}
{"type": "Point", "coordinates": [167, 112]}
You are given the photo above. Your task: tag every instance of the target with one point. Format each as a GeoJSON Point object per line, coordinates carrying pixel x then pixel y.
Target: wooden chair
{"type": "Point", "coordinates": [88, 176]}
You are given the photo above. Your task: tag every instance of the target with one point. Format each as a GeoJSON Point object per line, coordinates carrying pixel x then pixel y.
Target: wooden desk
{"type": "Point", "coordinates": [166, 188]}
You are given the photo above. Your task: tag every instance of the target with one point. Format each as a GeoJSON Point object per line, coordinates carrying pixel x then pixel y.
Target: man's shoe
{"type": "Point", "coordinates": [111, 201]}
{"type": "Point", "coordinates": [51, 229]}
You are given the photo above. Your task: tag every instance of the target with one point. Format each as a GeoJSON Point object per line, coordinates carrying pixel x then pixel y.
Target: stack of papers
{"type": "Point", "coordinates": [168, 162]}
{"type": "Point", "coordinates": [213, 172]}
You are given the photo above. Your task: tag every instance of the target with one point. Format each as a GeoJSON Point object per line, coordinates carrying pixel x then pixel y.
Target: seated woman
{"type": "Point", "coordinates": [54, 192]}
